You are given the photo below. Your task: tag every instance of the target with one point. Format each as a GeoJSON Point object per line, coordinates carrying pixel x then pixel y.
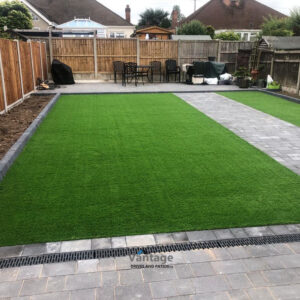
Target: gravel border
{"type": "Point", "coordinates": [17, 148]}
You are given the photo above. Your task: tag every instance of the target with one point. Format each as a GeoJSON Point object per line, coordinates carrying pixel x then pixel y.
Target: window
{"type": "Point", "coordinates": [117, 35]}
{"type": "Point", "coordinates": [34, 17]}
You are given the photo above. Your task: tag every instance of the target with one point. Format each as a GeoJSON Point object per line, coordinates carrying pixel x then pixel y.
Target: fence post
{"type": "Point", "coordinates": [50, 46]}
{"type": "Point", "coordinates": [298, 82]}
{"type": "Point", "coordinates": [219, 50]}
{"type": "Point", "coordinates": [95, 54]}
{"type": "Point", "coordinates": [3, 83]}
{"type": "Point", "coordinates": [272, 64]}
{"type": "Point", "coordinates": [32, 65]}
{"type": "Point", "coordinates": [138, 53]}
{"type": "Point", "coordinates": [41, 60]}
{"type": "Point", "coordinates": [20, 68]}
{"type": "Point", "coordinates": [45, 46]}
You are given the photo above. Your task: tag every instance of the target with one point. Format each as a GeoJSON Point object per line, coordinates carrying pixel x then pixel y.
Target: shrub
{"type": "Point", "coordinates": [192, 28]}
{"type": "Point", "coordinates": [228, 36]}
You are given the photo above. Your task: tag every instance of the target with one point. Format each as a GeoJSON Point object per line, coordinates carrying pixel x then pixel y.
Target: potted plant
{"type": "Point", "coordinates": [274, 86]}
{"type": "Point", "coordinates": [242, 75]}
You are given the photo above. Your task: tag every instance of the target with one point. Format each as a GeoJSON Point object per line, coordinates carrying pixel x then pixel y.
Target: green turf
{"type": "Point", "coordinates": [116, 165]}
{"type": "Point", "coordinates": [272, 105]}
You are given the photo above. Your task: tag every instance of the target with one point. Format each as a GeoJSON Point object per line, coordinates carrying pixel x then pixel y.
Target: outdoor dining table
{"type": "Point", "coordinates": [138, 71]}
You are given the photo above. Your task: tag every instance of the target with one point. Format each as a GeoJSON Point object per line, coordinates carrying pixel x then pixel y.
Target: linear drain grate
{"type": "Point", "coordinates": [119, 252]}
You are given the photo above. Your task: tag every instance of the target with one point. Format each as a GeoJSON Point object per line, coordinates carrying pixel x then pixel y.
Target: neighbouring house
{"type": "Point", "coordinates": [244, 17]}
{"type": "Point", "coordinates": [154, 33]}
{"type": "Point", "coordinates": [80, 15]}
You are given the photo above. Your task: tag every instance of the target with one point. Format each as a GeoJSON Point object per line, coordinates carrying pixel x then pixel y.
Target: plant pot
{"type": "Point", "coordinates": [261, 83]}
{"type": "Point", "coordinates": [243, 83]}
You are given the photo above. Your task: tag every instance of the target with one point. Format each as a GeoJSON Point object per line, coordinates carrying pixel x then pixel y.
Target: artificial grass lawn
{"type": "Point", "coordinates": [115, 165]}
{"type": "Point", "coordinates": [275, 106]}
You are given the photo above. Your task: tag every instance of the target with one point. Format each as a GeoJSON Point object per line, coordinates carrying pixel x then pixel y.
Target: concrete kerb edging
{"type": "Point", "coordinates": [17, 148]}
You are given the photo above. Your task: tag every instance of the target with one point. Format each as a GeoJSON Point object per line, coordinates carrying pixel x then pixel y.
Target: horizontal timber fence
{"type": "Point", "coordinates": [93, 57]}
{"type": "Point", "coordinates": [284, 67]}
{"type": "Point", "coordinates": [21, 64]}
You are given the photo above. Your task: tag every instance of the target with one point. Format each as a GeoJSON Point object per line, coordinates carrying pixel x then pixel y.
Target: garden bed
{"type": "Point", "coordinates": [18, 119]}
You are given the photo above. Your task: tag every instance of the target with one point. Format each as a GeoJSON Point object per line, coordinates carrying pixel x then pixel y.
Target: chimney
{"type": "Point", "coordinates": [174, 18]}
{"type": "Point", "coordinates": [128, 13]}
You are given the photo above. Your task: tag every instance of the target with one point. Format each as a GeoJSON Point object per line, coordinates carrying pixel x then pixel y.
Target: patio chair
{"type": "Point", "coordinates": [118, 69]}
{"type": "Point", "coordinates": [130, 72]}
{"type": "Point", "coordinates": [172, 68]}
{"type": "Point", "coordinates": [199, 68]}
{"type": "Point", "coordinates": [156, 69]}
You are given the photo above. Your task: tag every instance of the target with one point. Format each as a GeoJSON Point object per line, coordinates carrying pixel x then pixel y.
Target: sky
{"type": "Point", "coordinates": [187, 6]}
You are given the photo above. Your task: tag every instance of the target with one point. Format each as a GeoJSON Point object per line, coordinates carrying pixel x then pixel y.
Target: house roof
{"type": "Point", "coordinates": [154, 29]}
{"type": "Point", "coordinates": [281, 42]}
{"type": "Point", "coordinates": [230, 14]}
{"type": "Point", "coordinates": [191, 37]}
{"type": "Point", "coordinates": [62, 11]}
{"type": "Point", "coordinates": [81, 24]}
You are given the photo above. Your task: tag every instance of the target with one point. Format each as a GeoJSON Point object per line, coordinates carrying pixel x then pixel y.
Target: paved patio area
{"type": "Point", "coordinates": [277, 138]}
{"type": "Point", "coordinates": [251, 272]}
{"type": "Point", "coordinates": [102, 87]}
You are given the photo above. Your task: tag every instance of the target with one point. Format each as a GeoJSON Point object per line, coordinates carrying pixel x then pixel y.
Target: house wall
{"type": "Point", "coordinates": [37, 22]}
{"type": "Point", "coordinates": [126, 30]}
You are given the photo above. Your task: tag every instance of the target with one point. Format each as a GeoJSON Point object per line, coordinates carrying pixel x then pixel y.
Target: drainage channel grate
{"type": "Point", "coordinates": [119, 252]}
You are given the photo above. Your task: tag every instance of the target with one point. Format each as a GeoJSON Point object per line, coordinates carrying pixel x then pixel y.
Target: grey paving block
{"type": "Point", "coordinates": [273, 262]}
{"type": "Point", "coordinates": [29, 272]}
{"type": "Point", "coordinates": [286, 292]}
{"type": "Point", "coordinates": [118, 242]}
{"type": "Point", "coordinates": [279, 229]}
{"type": "Point", "coordinates": [10, 289]}
{"type": "Point", "coordinates": [52, 296]}
{"type": "Point", "coordinates": [130, 277]}
{"type": "Point", "coordinates": [104, 243]}
{"type": "Point", "coordinates": [260, 294]}
{"type": "Point", "coordinates": [229, 266]}
{"type": "Point", "coordinates": [133, 292]}
{"type": "Point", "coordinates": [291, 261]}
{"type": "Point", "coordinates": [220, 253]}
{"type": "Point", "coordinates": [140, 240]}
{"type": "Point", "coordinates": [258, 231]}
{"type": "Point", "coordinates": [239, 232]}
{"type": "Point", "coordinates": [210, 296]}
{"type": "Point", "coordinates": [210, 284]}
{"type": "Point", "coordinates": [87, 266]}
{"type": "Point", "coordinates": [123, 263]}
{"type": "Point", "coordinates": [185, 286]}
{"type": "Point", "coordinates": [256, 264]}
{"type": "Point", "coordinates": [12, 251]}
{"type": "Point", "coordinates": [163, 289]}
{"type": "Point", "coordinates": [180, 237]}
{"type": "Point", "coordinates": [157, 274]}
{"type": "Point", "coordinates": [239, 281]}
{"type": "Point", "coordinates": [294, 228]}
{"type": "Point", "coordinates": [258, 280]}
{"type": "Point", "coordinates": [175, 258]}
{"type": "Point", "coordinates": [184, 271]}
{"type": "Point", "coordinates": [223, 234]}
{"type": "Point", "coordinates": [286, 276]}
{"type": "Point", "coordinates": [202, 269]}
{"type": "Point", "coordinates": [238, 252]}
{"type": "Point", "coordinates": [201, 236]}
{"type": "Point", "coordinates": [71, 246]}
{"type": "Point", "coordinates": [164, 238]}
{"type": "Point", "coordinates": [34, 249]}
{"type": "Point", "coordinates": [83, 294]}
{"type": "Point", "coordinates": [110, 278]}
{"type": "Point", "coordinates": [105, 293]}
{"type": "Point", "coordinates": [283, 249]}
{"type": "Point", "coordinates": [107, 264]}
{"type": "Point", "coordinates": [198, 256]}
{"type": "Point", "coordinates": [56, 284]}
{"type": "Point", "coordinates": [83, 281]}
{"type": "Point", "coordinates": [8, 274]}
{"type": "Point", "coordinates": [295, 247]}
{"type": "Point", "coordinates": [54, 247]}
{"type": "Point", "coordinates": [262, 250]}
{"type": "Point", "coordinates": [238, 295]}
{"type": "Point", "coordinates": [33, 287]}
{"type": "Point", "coordinates": [59, 269]}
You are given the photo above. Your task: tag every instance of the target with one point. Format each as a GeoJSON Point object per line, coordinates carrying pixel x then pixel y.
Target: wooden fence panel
{"type": "Point", "coordinates": [11, 70]}
{"type": "Point", "coordinates": [110, 50]}
{"type": "Point", "coordinates": [2, 105]}
{"type": "Point", "coordinates": [158, 51]}
{"type": "Point", "coordinates": [26, 67]}
{"type": "Point", "coordinates": [78, 53]}
{"type": "Point", "coordinates": [36, 60]}
{"type": "Point", "coordinates": [197, 50]}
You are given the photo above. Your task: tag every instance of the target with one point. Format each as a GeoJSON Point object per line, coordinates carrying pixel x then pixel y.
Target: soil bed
{"type": "Point", "coordinates": [17, 120]}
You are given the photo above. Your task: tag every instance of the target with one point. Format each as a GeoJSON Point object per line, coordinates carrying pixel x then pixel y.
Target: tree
{"type": "Point", "coordinates": [15, 15]}
{"type": "Point", "coordinates": [273, 26]}
{"type": "Point", "coordinates": [154, 17]}
{"type": "Point", "coordinates": [192, 28]}
{"type": "Point", "coordinates": [181, 16]}
{"type": "Point", "coordinates": [294, 21]}
{"type": "Point", "coordinates": [210, 31]}
{"type": "Point", "coordinates": [228, 36]}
